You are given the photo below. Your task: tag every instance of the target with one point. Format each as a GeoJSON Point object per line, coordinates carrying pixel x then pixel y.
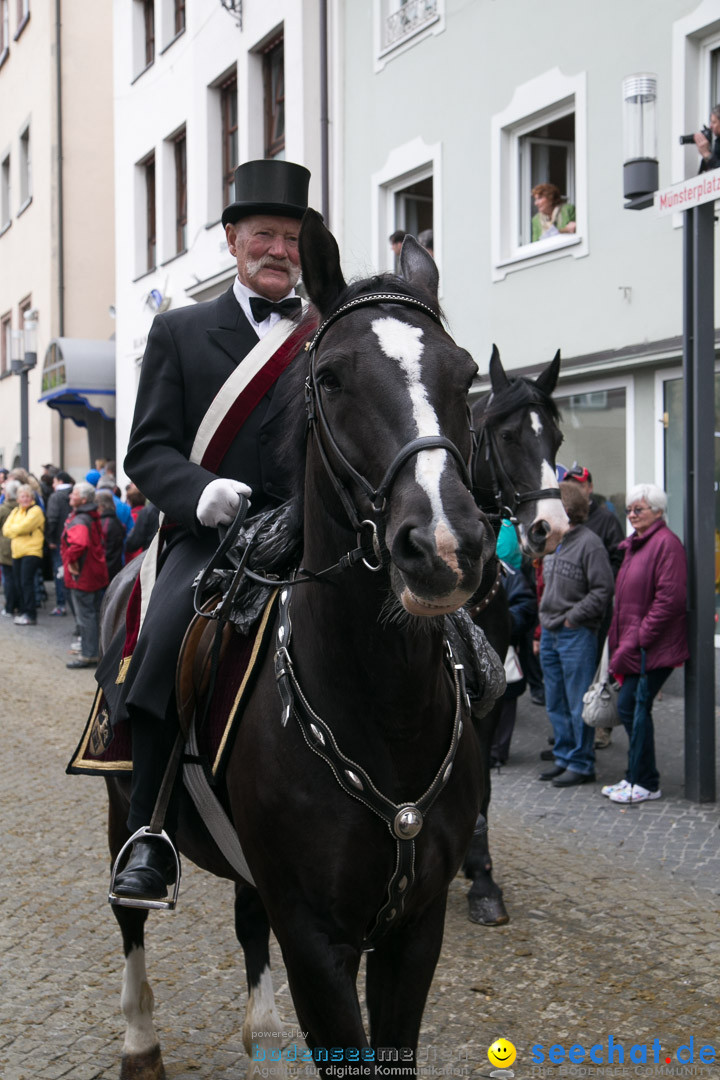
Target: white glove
{"type": "Point", "coordinates": [219, 502]}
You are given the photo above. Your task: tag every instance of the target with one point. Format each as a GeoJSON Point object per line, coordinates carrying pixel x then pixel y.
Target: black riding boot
{"type": "Point", "coordinates": [150, 865]}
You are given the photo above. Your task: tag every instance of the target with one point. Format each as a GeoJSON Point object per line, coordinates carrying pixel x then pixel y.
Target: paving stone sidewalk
{"type": "Point", "coordinates": [613, 932]}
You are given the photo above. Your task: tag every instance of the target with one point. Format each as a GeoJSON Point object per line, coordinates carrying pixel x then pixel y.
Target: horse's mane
{"type": "Point", "coordinates": [496, 406]}
{"type": "Point", "coordinates": [291, 453]}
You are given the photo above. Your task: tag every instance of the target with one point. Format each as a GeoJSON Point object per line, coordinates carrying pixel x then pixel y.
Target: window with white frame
{"type": "Point", "coordinates": [143, 35]}
{"type": "Point", "coordinates": [400, 23]}
{"type": "Point", "coordinates": [539, 141]}
{"type": "Point", "coordinates": [407, 190]}
{"type": "Point", "coordinates": [5, 343]}
{"type": "Point", "coordinates": [696, 82]}
{"type": "Point", "coordinates": [25, 167]}
{"type": "Point", "coordinates": [5, 193]}
{"type": "Point", "coordinates": [172, 22]}
{"type": "Point", "coordinates": [4, 26]}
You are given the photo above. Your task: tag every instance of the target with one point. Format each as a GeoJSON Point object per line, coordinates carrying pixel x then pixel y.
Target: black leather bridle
{"type": "Point", "coordinates": [318, 423]}
{"type": "Point", "coordinates": [505, 496]}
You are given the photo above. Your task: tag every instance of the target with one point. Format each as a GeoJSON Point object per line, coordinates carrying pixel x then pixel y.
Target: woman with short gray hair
{"type": "Point", "coordinates": [648, 631]}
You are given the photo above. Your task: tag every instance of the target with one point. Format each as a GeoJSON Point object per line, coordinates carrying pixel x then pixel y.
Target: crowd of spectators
{"type": "Point", "coordinates": [74, 533]}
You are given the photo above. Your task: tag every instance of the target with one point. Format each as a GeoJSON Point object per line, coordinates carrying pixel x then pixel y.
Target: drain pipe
{"type": "Point", "coordinates": [324, 117]}
{"type": "Point", "coordinates": [61, 218]}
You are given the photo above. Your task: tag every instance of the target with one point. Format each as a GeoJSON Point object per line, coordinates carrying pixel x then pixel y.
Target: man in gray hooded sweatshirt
{"type": "Point", "coordinates": [578, 587]}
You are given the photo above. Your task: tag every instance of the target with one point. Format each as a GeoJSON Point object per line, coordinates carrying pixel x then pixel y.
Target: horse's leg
{"type": "Point", "coordinates": [252, 928]}
{"type": "Point", "coordinates": [485, 898]}
{"type": "Point", "coordinates": [399, 974]}
{"type": "Point", "coordinates": [141, 1059]}
{"type": "Point", "coordinates": [322, 973]}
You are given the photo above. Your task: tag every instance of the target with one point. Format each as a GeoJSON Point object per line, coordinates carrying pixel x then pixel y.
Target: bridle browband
{"type": "Point", "coordinates": [318, 423]}
{"type": "Point", "coordinates": [506, 498]}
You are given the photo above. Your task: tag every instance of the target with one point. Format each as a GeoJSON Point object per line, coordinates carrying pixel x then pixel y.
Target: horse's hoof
{"type": "Point", "coordinates": [487, 910]}
{"type": "Point", "coordinates": [147, 1066]}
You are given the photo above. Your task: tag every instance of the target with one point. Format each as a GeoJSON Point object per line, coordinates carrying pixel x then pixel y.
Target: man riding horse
{"type": "Point", "coordinates": [209, 411]}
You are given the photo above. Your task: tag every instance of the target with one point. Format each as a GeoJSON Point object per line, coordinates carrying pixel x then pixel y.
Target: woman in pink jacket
{"type": "Point", "coordinates": [650, 618]}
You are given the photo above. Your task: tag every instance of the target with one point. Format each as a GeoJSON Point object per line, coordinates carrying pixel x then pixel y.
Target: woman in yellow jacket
{"type": "Point", "coordinates": [25, 528]}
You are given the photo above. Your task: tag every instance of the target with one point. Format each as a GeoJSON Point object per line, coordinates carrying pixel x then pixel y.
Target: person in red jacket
{"type": "Point", "coordinates": [85, 569]}
{"type": "Point", "coordinates": [649, 618]}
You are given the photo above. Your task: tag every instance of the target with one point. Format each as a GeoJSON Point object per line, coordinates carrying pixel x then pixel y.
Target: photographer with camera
{"type": "Point", "coordinates": [708, 142]}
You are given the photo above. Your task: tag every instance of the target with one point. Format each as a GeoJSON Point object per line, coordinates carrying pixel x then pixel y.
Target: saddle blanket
{"type": "Point", "coordinates": [106, 749]}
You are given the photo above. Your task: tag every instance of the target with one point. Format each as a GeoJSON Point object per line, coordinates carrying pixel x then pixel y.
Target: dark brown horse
{"type": "Point", "coordinates": [354, 796]}
{"type": "Point", "coordinates": [518, 436]}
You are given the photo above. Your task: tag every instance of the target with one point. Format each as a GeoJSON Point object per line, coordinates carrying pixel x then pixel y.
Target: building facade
{"type": "Point", "coordinates": [56, 230]}
{"type": "Point", "coordinates": [453, 112]}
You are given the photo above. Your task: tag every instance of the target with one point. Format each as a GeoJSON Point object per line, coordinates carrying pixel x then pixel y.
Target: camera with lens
{"type": "Point", "coordinates": [685, 139]}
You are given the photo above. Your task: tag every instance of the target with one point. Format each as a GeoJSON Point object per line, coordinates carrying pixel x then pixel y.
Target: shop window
{"type": "Point", "coordinates": [594, 425]}
{"type": "Point", "coordinates": [179, 16]}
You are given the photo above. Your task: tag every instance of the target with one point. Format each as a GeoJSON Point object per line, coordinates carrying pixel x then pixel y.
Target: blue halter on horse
{"type": "Point", "coordinates": [355, 816]}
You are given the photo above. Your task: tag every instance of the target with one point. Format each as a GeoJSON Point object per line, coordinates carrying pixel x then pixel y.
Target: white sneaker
{"type": "Point", "coordinates": [634, 794]}
{"type": "Point", "coordinates": [76, 647]}
{"type": "Point", "coordinates": [610, 788]}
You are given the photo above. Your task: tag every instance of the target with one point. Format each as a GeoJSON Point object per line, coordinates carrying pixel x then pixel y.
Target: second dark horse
{"type": "Point", "coordinates": [518, 437]}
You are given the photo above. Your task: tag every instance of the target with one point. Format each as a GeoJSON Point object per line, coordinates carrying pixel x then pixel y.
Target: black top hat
{"type": "Point", "coordinates": [270, 186]}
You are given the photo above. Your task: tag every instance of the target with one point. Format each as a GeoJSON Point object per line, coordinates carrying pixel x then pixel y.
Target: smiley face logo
{"type": "Point", "coordinates": [502, 1053]}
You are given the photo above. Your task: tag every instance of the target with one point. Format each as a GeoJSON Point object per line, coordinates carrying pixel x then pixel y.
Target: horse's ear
{"type": "Point", "coordinates": [498, 378]}
{"type": "Point", "coordinates": [418, 267]}
{"type": "Point", "coordinates": [547, 379]}
{"type": "Point", "coordinates": [320, 261]}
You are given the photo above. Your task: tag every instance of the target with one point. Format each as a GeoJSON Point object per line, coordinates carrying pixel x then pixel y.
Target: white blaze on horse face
{"type": "Point", "coordinates": [551, 511]}
{"type": "Point", "coordinates": [402, 342]}
{"type": "Point", "coordinates": [536, 423]}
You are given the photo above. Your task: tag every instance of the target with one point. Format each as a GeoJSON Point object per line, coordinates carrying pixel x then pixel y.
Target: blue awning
{"type": "Point", "coordinates": [79, 378]}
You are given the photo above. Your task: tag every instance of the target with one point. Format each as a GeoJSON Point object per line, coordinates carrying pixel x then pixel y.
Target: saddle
{"type": "Point", "coordinates": [202, 652]}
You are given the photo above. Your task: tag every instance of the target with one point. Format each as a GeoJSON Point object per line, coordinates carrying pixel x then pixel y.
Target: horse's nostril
{"type": "Point", "coordinates": [540, 529]}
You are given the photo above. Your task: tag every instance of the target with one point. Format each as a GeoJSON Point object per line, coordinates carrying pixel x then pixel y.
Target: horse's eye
{"type": "Point", "coordinates": [328, 382]}
{"type": "Point", "coordinates": [507, 436]}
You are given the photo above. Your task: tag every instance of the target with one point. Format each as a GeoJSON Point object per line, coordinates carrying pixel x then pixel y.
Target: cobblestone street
{"type": "Point", "coordinates": [613, 933]}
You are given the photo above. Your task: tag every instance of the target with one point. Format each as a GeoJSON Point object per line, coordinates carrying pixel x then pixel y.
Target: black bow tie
{"type": "Point", "coordinates": [262, 308]}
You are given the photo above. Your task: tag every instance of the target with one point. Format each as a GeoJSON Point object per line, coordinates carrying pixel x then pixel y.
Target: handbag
{"type": "Point", "coordinates": [600, 700]}
{"type": "Point", "coordinates": [513, 671]}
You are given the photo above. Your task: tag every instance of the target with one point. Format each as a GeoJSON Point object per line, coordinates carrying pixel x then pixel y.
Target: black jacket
{"type": "Point", "coordinates": [714, 160]}
{"type": "Point", "coordinates": [605, 524]}
{"type": "Point", "coordinates": [58, 509]}
{"type": "Point", "coordinates": [190, 353]}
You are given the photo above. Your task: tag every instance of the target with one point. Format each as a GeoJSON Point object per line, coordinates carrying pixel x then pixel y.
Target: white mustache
{"type": "Point", "coordinates": [254, 266]}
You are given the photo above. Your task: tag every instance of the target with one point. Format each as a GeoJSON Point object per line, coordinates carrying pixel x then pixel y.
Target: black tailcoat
{"type": "Point", "coordinates": [190, 353]}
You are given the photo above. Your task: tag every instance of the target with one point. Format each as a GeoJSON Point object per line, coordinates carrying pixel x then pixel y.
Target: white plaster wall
{"type": "Point", "coordinates": [446, 90]}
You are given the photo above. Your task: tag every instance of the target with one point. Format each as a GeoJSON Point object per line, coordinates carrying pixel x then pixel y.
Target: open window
{"type": "Point", "coordinates": [408, 197]}
{"type": "Point", "coordinates": [696, 83]}
{"type": "Point", "coordinates": [539, 139]}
